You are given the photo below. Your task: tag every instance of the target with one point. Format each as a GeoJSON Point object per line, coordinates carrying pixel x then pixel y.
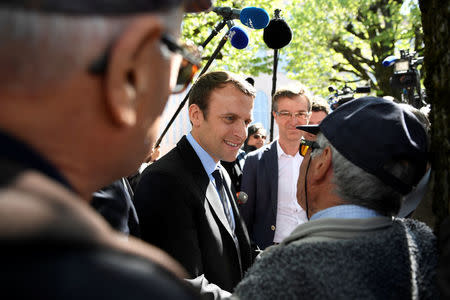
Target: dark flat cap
{"type": "Point", "coordinates": [371, 132]}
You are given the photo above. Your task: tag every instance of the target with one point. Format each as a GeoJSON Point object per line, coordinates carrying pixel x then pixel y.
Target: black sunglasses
{"type": "Point", "coordinates": [305, 145]}
{"type": "Point", "coordinates": [188, 67]}
{"type": "Point", "coordinates": [259, 136]}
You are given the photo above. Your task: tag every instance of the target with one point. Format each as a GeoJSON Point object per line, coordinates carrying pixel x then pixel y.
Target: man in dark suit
{"type": "Point", "coordinates": [270, 174]}
{"type": "Point", "coordinates": [180, 202]}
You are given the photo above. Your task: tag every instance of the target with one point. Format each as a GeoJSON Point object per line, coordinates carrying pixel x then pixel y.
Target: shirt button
{"type": "Point", "coordinates": [272, 227]}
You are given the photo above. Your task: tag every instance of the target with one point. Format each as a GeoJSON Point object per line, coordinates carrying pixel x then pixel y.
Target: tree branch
{"type": "Point", "coordinates": [354, 57]}
{"type": "Point", "coordinates": [345, 81]}
{"type": "Point", "coordinates": [351, 29]}
{"type": "Point", "coordinates": [341, 68]}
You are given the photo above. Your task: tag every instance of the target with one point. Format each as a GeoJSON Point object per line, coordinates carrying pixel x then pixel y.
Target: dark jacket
{"type": "Point", "coordinates": [53, 245]}
{"type": "Point", "coordinates": [260, 182]}
{"type": "Point", "coordinates": [234, 169]}
{"type": "Point", "coordinates": [114, 202]}
{"type": "Point", "coordinates": [180, 211]}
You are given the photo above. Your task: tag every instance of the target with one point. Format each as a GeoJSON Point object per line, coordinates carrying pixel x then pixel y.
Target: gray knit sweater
{"type": "Point", "coordinates": [336, 259]}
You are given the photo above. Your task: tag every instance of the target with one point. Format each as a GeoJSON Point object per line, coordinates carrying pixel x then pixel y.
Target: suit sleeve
{"type": "Point", "coordinates": [113, 203]}
{"type": "Point", "coordinates": [167, 218]}
{"type": "Point", "coordinates": [248, 186]}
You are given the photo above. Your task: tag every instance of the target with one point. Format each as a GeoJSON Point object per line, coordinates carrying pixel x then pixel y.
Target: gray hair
{"type": "Point", "coordinates": [39, 49]}
{"type": "Point", "coordinates": [356, 186]}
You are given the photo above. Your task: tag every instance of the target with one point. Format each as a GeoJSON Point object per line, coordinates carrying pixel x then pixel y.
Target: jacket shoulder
{"type": "Point", "coordinates": [105, 274]}
{"type": "Point", "coordinates": [264, 151]}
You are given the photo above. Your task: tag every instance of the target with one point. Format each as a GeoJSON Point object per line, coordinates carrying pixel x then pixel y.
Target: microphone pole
{"type": "Point", "coordinates": [274, 79]}
{"type": "Point", "coordinates": [205, 68]}
{"type": "Point", "coordinates": [214, 32]}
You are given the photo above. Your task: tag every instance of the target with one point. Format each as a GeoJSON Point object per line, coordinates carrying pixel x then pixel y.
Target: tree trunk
{"type": "Point", "coordinates": [435, 19]}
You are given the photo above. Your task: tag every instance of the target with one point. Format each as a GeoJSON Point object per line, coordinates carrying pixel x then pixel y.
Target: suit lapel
{"type": "Point", "coordinates": [200, 178]}
{"type": "Point", "coordinates": [241, 232]}
{"type": "Point", "coordinates": [216, 204]}
{"type": "Point", "coordinates": [271, 172]}
{"type": "Point", "coordinates": [245, 254]}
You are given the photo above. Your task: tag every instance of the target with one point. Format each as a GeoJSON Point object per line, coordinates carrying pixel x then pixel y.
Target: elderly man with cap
{"type": "Point", "coordinates": [368, 154]}
{"type": "Point", "coordinates": [83, 85]}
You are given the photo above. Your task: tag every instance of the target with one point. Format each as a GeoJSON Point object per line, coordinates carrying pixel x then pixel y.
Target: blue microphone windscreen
{"type": "Point", "coordinates": [254, 17]}
{"type": "Point", "coordinates": [389, 61]}
{"type": "Point", "coordinates": [238, 37]}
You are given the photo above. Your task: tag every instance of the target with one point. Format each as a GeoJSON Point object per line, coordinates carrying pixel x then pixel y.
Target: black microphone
{"type": "Point", "coordinates": [242, 197]}
{"type": "Point", "coordinates": [277, 34]}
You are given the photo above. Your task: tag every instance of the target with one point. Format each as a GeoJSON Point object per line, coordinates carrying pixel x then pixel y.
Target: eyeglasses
{"type": "Point", "coordinates": [300, 115]}
{"type": "Point", "coordinates": [188, 67]}
{"type": "Point", "coordinates": [305, 145]}
{"type": "Point", "coordinates": [259, 136]}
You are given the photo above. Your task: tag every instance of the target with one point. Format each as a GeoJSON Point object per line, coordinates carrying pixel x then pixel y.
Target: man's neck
{"type": "Point", "coordinates": [289, 147]}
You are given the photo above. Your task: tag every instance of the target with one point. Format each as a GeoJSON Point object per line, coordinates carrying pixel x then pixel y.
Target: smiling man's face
{"type": "Point", "coordinates": [223, 130]}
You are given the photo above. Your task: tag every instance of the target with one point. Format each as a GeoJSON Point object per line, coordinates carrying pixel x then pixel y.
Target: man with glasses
{"type": "Point", "coordinates": [368, 154]}
{"type": "Point", "coordinates": [270, 174]}
{"type": "Point", "coordinates": [185, 202]}
{"type": "Point", "coordinates": [83, 86]}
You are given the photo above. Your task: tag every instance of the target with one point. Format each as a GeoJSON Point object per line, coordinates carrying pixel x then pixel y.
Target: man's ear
{"type": "Point", "coordinates": [121, 75]}
{"type": "Point", "coordinates": [322, 165]}
{"type": "Point", "coordinates": [195, 115]}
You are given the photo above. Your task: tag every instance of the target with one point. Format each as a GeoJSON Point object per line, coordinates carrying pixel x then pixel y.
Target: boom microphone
{"type": "Point", "coordinates": [277, 34]}
{"type": "Point", "coordinates": [242, 197]}
{"type": "Point", "coordinates": [238, 37]}
{"type": "Point", "coordinates": [253, 17]}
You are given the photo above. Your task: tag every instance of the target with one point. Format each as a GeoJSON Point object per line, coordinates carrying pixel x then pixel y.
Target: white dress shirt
{"type": "Point", "coordinates": [289, 213]}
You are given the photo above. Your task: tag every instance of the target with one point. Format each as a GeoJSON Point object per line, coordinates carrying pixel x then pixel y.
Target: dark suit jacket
{"type": "Point", "coordinates": [180, 211]}
{"type": "Point", "coordinates": [114, 203]}
{"type": "Point", "coordinates": [234, 169]}
{"type": "Point", "coordinates": [260, 182]}
{"type": "Point", "coordinates": [53, 245]}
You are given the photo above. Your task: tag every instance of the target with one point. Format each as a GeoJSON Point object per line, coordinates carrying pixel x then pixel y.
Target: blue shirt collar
{"type": "Point", "coordinates": [207, 161]}
{"type": "Point", "coordinates": [347, 211]}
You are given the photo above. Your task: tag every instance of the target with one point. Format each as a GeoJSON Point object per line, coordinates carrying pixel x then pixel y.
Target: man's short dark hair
{"type": "Point", "coordinates": [208, 82]}
{"type": "Point", "coordinates": [319, 104]}
{"type": "Point", "coordinates": [288, 93]}
{"type": "Point", "coordinates": [254, 128]}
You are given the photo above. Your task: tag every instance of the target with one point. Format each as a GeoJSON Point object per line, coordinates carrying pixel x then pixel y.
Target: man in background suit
{"type": "Point", "coordinates": [270, 174]}
{"type": "Point", "coordinates": [80, 100]}
{"type": "Point", "coordinates": [179, 202]}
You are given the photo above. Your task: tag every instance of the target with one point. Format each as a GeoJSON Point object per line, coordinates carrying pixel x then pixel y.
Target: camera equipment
{"type": "Point", "coordinates": [406, 77]}
{"type": "Point", "coordinates": [339, 97]}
